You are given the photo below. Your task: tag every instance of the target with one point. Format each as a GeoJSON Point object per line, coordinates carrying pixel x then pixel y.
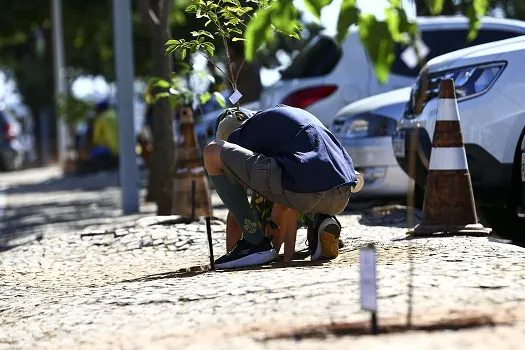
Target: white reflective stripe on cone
{"type": "Point", "coordinates": [448, 158]}
{"type": "Point", "coordinates": [447, 109]}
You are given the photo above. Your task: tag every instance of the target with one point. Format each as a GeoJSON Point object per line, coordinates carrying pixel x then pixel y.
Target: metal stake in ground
{"type": "Point", "coordinates": [192, 200]}
{"type": "Point", "coordinates": [210, 242]}
{"type": "Point", "coordinates": [367, 282]}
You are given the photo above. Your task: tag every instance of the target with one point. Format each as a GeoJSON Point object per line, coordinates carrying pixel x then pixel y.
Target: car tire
{"type": "Point", "coordinates": [419, 196]}
{"type": "Point", "coordinates": [505, 221]}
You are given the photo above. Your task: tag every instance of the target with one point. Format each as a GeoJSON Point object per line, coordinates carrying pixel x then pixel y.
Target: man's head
{"type": "Point", "coordinates": [102, 106]}
{"type": "Point", "coordinates": [229, 120]}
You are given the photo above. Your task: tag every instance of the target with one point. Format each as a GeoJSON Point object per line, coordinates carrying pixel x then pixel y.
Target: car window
{"type": "Point", "coordinates": [490, 35]}
{"type": "Point", "coordinates": [318, 58]}
{"type": "Point", "coordinates": [440, 42]}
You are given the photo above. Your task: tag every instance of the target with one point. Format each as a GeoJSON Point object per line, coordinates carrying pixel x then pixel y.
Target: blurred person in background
{"type": "Point", "coordinates": [105, 148]}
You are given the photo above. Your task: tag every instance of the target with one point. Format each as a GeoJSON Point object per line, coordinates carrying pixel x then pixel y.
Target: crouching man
{"type": "Point", "coordinates": [287, 156]}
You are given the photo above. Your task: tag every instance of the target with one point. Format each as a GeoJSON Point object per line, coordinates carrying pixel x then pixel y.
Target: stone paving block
{"type": "Point", "coordinates": [148, 287]}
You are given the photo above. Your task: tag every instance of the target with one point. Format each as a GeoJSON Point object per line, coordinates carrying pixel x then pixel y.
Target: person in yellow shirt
{"type": "Point", "coordinates": [105, 144]}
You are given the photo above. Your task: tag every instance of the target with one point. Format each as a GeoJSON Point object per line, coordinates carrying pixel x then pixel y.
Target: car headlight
{"type": "Point", "coordinates": [365, 125]}
{"type": "Point", "coordinates": [469, 81]}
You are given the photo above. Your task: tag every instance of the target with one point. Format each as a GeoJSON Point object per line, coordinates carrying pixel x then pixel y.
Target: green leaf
{"type": "Point", "coordinates": [194, 46]}
{"type": "Point", "coordinates": [174, 101]}
{"type": "Point", "coordinates": [280, 15]}
{"type": "Point", "coordinates": [235, 30]}
{"type": "Point", "coordinates": [255, 32]}
{"type": "Point", "coordinates": [183, 54]}
{"type": "Point", "coordinates": [202, 32]}
{"type": "Point", "coordinates": [315, 6]}
{"type": "Point", "coordinates": [207, 23]}
{"type": "Point", "coordinates": [395, 3]}
{"type": "Point", "coordinates": [209, 48]}
{"type": "Point", "coordinates": [161, 83]}
{"type": "Point", "coordinates": [295, 36]}
{"type": "Point", "coordinates": [348, 15]}
{"type": "Point", "coordinates": [192, 9]}
{"type": "Point", "coordinates": [233, 21]}
{"type": "Point", "coordinates": [284, 16]}
{"type": "Point", "coordinates": [170, 49]}
{"type": "Point", "coordinates": [233, 2]}
{"type": "Point", "coordinates": [172, 42]}
{"type": "Point", "coordinates": [204, 98]}
{"type": "Point", "coordinates": [237, 39]}
{"type": "Point", "coordinates": [435, 6]}
{"type": "Point", "coordinates": [379, 43]}
{"type": "Point", "coordinates": [160, 95]}
{"type": "Point", "coordinates": [477, 9]}
{"type": "Point", "coordinates": [220, 99]}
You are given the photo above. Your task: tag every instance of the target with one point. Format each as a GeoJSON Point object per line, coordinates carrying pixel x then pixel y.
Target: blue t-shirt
{"type": "Point", "coordinates": [312, 159]}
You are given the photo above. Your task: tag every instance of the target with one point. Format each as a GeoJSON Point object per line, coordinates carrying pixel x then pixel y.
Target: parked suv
{"type": "Point", "coordinates": [324, 77]}
{"type": "Point", "coordinates": [489, 82]}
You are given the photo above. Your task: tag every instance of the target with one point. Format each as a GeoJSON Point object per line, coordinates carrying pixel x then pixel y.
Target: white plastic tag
{"type": "Point", "coordinates": [409, 55]}
{"type": "Point", "coordinates": [367, 280]}
{"type": "Point", "coordinates": [235, 97]}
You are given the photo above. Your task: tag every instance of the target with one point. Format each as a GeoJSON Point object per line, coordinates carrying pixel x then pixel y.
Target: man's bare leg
{"type": "Point", "coordinates": [252, 248]}
{"type": "Point", "coordinates": [233, 232]}
{"type": "Point", "coordinates": [233, 195]}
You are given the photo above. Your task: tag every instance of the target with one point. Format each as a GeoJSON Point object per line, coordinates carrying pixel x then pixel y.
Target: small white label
{"type": "Point", "coordinates": [235, 97]}
{"type": "Point", "coordinates": [367, 282]}
{"type": "Point", "coordinates": [409, 55]}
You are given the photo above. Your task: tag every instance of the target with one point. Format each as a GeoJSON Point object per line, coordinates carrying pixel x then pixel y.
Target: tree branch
{"type": "Point", "coordinates": [216, 66]}
{"type": "Point", "coordinates": [239, 71]}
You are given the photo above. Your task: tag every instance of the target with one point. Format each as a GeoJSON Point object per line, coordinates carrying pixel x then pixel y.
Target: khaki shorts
{"type": "Point", "coordinates": [263, 175]}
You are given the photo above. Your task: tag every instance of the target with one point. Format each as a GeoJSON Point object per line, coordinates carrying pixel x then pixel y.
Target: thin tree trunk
{"type": "Point", "coordinates": [160, 184]}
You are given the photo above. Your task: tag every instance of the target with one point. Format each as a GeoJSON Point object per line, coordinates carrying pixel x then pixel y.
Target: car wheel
{"type": "Point", "coordinates": [419, 196]}
{"type": "Point", "coordinates": [505, 221]}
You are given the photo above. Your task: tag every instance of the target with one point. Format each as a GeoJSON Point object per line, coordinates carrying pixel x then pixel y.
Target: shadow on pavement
{"type": "Point", "coordinates": [390, 213]}
{"type": "Point", "coordinates": [86, 182]}
{"type": "Point", "coordinates": [363, 328]}
{"type": "Point", "coordinates": [32, 208]}
{"type": "Point", "coordinates": [181, 273]}
{"type": "Point", "coordinates": [193, 271]}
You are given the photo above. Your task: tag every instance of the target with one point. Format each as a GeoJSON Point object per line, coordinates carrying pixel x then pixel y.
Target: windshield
{"type": "Point", "coordinates": [318, 58]}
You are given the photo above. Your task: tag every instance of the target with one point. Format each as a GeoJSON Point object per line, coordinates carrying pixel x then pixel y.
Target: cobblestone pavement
{"type": "Point", "coordinates": [76, 274]}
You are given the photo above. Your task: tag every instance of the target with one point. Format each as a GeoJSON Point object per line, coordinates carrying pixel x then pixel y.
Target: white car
{"type": "Point", "coordinates": [325, 77]}
{"type": "Point", "coordinates": [365, 129]}
{"type": "Point", "coordinates": [489, 80]}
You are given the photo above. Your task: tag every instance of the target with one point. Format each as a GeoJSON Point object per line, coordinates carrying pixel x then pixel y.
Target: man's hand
{"type": "Point", "coordinates": [286, 219]}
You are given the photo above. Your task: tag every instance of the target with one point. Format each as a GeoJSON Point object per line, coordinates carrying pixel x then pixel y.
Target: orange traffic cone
{"type": "Point", "coordinates": [448, 206]}
{"type": "Point", "coordinates": [191, 193]}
